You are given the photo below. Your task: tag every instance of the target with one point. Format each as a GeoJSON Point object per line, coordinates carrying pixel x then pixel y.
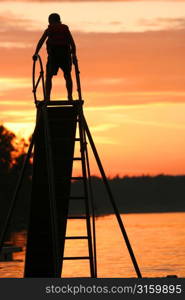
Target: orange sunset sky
{"type": "Point", "coordinates": [132, 60]}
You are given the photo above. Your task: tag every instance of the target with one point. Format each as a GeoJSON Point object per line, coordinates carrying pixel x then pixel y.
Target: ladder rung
{"type": "Point", "coordinates": [77, 178]}
{"type": "Point", "coordinates": [76, 257]}
{"type": "Point", "coordinates": [77, 217]}
{"type": "Point", "coordinates": [76, 237]}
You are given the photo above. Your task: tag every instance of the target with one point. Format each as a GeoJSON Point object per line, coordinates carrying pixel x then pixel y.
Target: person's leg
{"type": "Point", "coordinates": [51, 70]}
{"type": "Point", "coordinates": [48, 85]}
{"type": "Point", "coordinates": [69, 84]}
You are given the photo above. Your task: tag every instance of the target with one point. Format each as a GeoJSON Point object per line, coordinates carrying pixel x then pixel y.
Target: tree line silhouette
{"type": "Point", "coordinates": [12, 154]}
{"type": "Point", "coordinates": [162, 193]}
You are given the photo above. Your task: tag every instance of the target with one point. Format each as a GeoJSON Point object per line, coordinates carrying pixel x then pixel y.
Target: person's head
{"type": "Point", "coordinates": [54, 18]}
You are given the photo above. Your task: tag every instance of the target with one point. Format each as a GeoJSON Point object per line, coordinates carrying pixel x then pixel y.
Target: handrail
{"type": "Point", "coordinates": [41, 77]}
{"type": "Point", "coordinates": [36, 83]}
{"type": "Point", "coordinates": [77, 73]}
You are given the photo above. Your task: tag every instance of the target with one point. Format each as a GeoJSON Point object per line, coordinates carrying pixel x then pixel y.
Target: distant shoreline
{"type": "Point", "coordinates": [144, 194]}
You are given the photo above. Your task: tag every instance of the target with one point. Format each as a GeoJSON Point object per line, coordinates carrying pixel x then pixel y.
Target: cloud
{"type": "Point", "coordinates": [130, 59]}
{"type": "Point", "coordinates": [141, 115]}
{"type": "Point", "coordinates": [150, 61]}
{"type": "Point", "coordinates": [155, 124]}
{"type": "Point", "coordinates": [13, 83]}
{"type": "Point", "coordinates": [9, 20]}
{"type": "Point", "coordinates": [165, 23]}
{"type": "Point", "coordinates": [17, 116]}
{"type": "Point", "coordinates": [16, 32]}
{"type": "Point", "coordinates": [93, 16]}
{"type": "Point", "coordinates": [103, 127]}
{"type": "Point", "coordinates": [116, 68]}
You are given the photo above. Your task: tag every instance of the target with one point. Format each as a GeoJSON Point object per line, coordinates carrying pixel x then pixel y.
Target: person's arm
{"type": "Point", "coordinates": [73, 48]}
{"type": "Point", "coordinates": [72, 44]}
{"type": "Point", "coordinates": [40, 43]}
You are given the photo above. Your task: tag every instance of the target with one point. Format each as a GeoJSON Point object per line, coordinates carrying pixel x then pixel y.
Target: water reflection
{"type": "Point", "coordinates": [157, 240]}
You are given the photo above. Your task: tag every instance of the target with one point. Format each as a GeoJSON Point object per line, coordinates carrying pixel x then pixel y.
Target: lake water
{"type": "Point", "coordinates": [158, 241]}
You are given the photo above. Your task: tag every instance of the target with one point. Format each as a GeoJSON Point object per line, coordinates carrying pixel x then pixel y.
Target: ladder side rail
{"type": "Point", "coordinates": [52, 196]}
{"type": "Point", "coordinates": [33, 82]}
{"type": "Point", "coordinates": [91, 194]}
{"type": "Point", "coordinates": [92, 271]}
{"type": "Point", "coordinates": [37, 83]}
{"type": "Point", "coordinates": [120, 222]}
{"type": "Point", "coordinates": [77, 73]}
{"type": "Point", "coordinates": [41, 77]}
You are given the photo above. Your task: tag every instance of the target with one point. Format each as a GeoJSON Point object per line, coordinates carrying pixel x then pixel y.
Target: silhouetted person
{"type": "Point", "coordinates": [61, 50]}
